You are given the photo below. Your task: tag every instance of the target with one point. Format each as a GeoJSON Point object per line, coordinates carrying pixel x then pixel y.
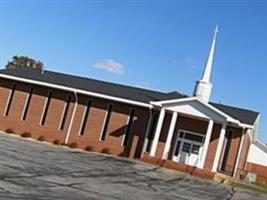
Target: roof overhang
{"type": "Point", "coordinates": [79, 91]}
{"type": "Point", "coordinates": [189, 100]}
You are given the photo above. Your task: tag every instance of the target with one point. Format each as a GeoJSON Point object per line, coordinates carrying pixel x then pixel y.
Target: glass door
{"type": "Point", "coordinates": [188, 148]}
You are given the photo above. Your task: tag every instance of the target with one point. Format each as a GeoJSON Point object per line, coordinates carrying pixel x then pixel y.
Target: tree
{"type": "Point", "coordinates": [24, 62]}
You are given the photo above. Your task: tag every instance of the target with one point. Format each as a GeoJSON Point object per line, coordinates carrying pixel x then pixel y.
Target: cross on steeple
{"type": "Point", "coordinates": [204, 86]}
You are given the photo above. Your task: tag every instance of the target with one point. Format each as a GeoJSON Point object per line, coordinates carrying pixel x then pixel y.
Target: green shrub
{"type": "Point", "coordinates": [89, 148]}
{"type": "Point", "coordinates": [9, 130]}
{"type": "Point", "coordinates": [73, 145]}
{"type": "Point", "coordinates": [26, 134]}
{"type": "Point", "coordinates": [105, 151]}
{"type": "Point", "coordinates": [56, 142]}
{"type": "Point", "coordinates": [41, 138]}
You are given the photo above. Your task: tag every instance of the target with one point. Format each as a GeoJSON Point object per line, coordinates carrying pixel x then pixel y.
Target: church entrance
{"type": "Point", "coordinates": [188, 147]}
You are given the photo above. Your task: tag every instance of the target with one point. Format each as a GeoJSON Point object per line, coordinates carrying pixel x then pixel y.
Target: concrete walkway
{"type": "Point", "coordinates": [34, 170]}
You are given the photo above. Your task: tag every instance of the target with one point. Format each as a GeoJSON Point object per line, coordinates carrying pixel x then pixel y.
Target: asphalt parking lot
{"type": "Point", "coordinates": [33, 170]}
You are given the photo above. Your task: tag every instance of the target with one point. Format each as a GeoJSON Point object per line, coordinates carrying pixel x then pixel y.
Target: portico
{"type": "Point", "coordinates": [190, 147]}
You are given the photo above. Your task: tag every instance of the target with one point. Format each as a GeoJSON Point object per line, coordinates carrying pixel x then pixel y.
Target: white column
{"type": "Point", "coordinates": [157, 133]}
{"type": "Point", "coordinates": [206, 145]}
{"type": "Point", "coordinates": [219, 148]}
{"type": "Point", "coordinates": [147, 131]}
{"type": "Point", "coordinates": [170, 135]}
{"type": "Point", "coordinates": [239, 152]}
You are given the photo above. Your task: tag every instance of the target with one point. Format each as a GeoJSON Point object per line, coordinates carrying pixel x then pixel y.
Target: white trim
{"type": "Point", "coordinates": [63, 112]}
{"type": "Point", "coordinates": [182, 140]}
{"type": "Point", "coordinates": [206, 145]}
{"type": "Point", "coordinates": [170, 136]}
{"type": "Point", "coordinates": [25, 104]}
{"type": "Point", "coordinates": [182, 100]}
{"type": "Point", "coordinates": [46, 101]}
{"type": "Point", "coordinates": [219, 148]}
{"type": "Point", "coordinates": [8, 99]}
{"type": "Point", "coordinates": [104, 122]}
{"type": "Point", "coordinates": [126, 127]}
{"type": "Point", "coordinates": [123, 136]}
{"type": "Point", "coordinates": [83, 118]}
{"type": "Point", "coordinates": [191, 132]}
{"type": "Point", "coordinates": [239, 152]}
{"type": "Point", "coordinates": [82, 121]}
{"type": "Point", "coordinates": [157, 133]}
{"type": "Point", "coordinates": [94, 94]}
{"type": "Point", "coordinates": [72, 118]}
{"type": "Point", "coordinates": [148, 128]}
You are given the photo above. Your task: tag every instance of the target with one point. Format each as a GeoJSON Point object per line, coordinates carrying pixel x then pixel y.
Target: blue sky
{"type": "Point", "coordinates": [157, 44]}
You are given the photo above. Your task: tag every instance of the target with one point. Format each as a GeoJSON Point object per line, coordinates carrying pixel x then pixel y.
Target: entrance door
{"type": "Point", "coordinates": [188, 148]}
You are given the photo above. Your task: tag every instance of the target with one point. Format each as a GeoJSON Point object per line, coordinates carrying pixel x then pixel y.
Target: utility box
{"type": "Point", "coordinates": [251, 178]}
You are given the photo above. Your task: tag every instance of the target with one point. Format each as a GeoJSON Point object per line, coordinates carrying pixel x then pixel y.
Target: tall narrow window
{"type": "Point", "coordinates": [151, 134]}
{"type": "Point", "coordinates": [85, 117]}
{"type": "Point", "coordinates": [128, 128]}
{"type": "Point", "coordinates": [27, 105]}
{"type": "Point", "coordinates": [106, 123]}
{"type": "Point", "coordinates": [46, 107]}
{"type": "Point", "coordinates": [65, 113]}
{"type": "Point", "coordinates": [10, 99]}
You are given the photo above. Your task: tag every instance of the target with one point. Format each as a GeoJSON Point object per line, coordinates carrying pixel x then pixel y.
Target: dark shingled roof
{"type": "Point", "coordinates": [243, 115]}
{"type": "Point", "coordinates": [121, 91]}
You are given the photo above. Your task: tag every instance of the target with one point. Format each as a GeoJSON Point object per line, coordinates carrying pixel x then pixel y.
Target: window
{"type": "Point", "coordinates": [193, 137]}
{"type": "Point", "coordinates": [151, 134]}
{"type": "Point", "coordinates": [27, 105]}
{"type": "Point", "coordinates": [85, 117]}
{"type": "Point", "coordinates": [195, 149]}
{"type": "Point", "coordinates": [128, 128]}
{"type": "Point", "coordinates": [10, 99]}
{"type": "Point", "coordinates": [186, 147]}
{"type": "Point", "coordinates": [65, 113]}
{"type": "Point", "coordinates": [46, 107]}
{"type": "Point", "coordinates": [106, 123]}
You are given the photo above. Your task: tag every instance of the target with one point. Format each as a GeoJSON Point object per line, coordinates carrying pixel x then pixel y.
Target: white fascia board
{"type": "Point", "coordinates": [60, 87]}
{"type": "Point", "coordinates": [227, 117]}
{"type": "Point", "coordinates": [160, 103]}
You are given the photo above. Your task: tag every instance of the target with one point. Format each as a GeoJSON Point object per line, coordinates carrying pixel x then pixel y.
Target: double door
{"type": "Point", "coordinates": [188, 148]}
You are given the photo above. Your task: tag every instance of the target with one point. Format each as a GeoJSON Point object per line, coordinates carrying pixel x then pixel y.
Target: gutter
{"type": "Point", "coordinates": [60, 87]}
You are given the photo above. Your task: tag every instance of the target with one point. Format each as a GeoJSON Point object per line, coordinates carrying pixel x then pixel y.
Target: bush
{"type": "Point", "coordinates": [89, 148]}
{"type": "Point", "coordinates": [41, 138]}
{"type": "Point", "coordinates": [56, 142]}
{"type": "Point", "coordinates": [106, 151]}
{"type": "Point", "coordinates": [73, 145]}
{"type": "Point", "coordinates": [26, 134]}
{"type": "Point", "coordinates": [9, 130]}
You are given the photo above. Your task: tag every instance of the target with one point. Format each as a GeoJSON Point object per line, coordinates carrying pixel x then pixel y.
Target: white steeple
{"type": "Point", "coordinates": [204, 86]}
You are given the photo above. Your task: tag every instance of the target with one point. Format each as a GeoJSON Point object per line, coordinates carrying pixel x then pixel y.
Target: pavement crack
{"type": "Point", "coordinates": [232, 193]}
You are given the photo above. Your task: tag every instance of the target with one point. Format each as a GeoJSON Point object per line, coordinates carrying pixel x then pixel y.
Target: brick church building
{"type": "Point", "coordinates": [188, 133]}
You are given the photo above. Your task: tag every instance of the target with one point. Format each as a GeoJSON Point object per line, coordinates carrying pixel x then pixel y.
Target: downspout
{"type": "Point", "coordinates": [72, 118]}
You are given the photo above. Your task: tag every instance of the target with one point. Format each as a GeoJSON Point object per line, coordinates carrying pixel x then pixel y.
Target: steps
{"type": "Point", "coordinates": [222, 178]}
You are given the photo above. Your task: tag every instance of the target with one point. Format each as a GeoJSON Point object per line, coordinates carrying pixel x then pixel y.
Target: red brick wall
{"type": "Point", "coordinates": [243, 157]}
{"type": "Point", "coordinates": [188, 124]}
{"type": "Point", "coordinates": [50, 130]}
{"type": "Point", "coordinates": [260, 170]}
{"type": "Point", "coordinates": [233, 151]}
{"type": "Point", "coordinates": [212, 146]}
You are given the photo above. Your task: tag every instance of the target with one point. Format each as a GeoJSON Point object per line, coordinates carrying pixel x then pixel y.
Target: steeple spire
{"type": "Point", "coordinates": [204, 86]}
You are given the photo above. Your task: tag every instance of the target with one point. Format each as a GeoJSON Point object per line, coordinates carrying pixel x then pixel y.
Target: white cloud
{"type": "Point", "coordinates": [111, 66]}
